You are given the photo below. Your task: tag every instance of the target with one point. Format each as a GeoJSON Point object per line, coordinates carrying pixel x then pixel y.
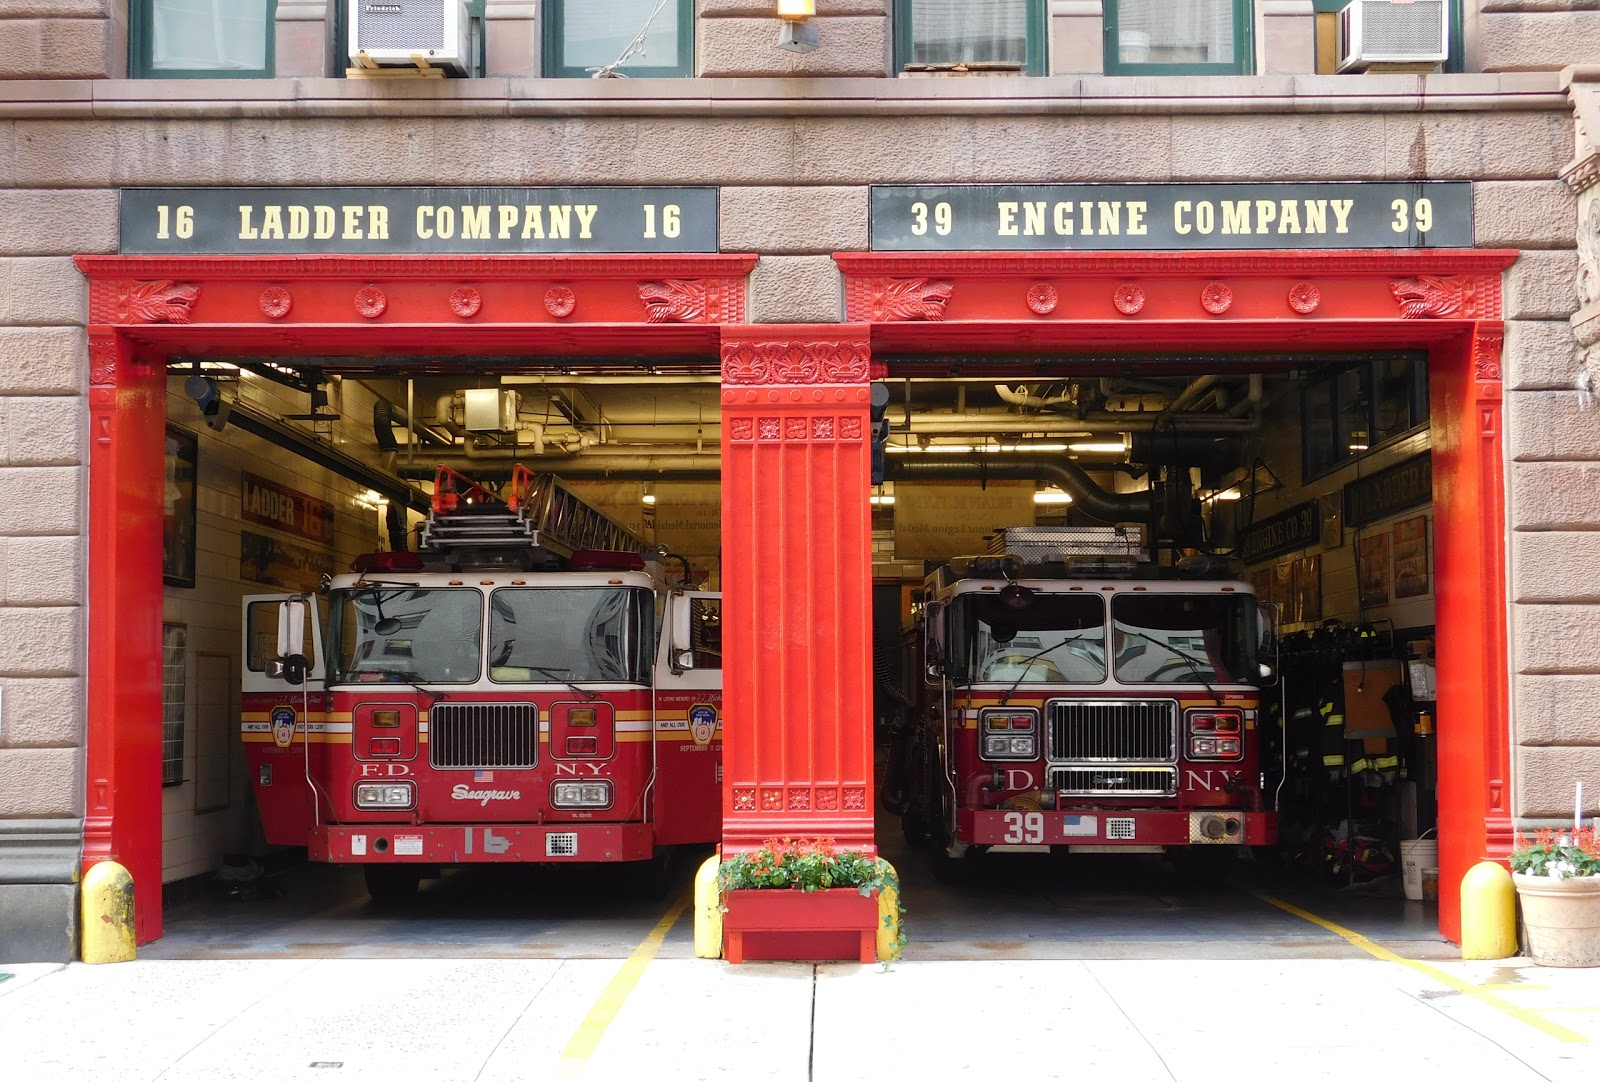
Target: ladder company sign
{"type": "Point", "coordinates": [1147, 217]}
{"type": "Point", "coordinates": [412, 221]}
{"type": "Point", "coordinates": [271, 504]}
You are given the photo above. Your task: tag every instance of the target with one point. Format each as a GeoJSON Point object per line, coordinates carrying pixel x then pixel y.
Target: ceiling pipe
{"type": "Point", "coordinates": [1186, 398]}
{"type": "Point", "coordinates": [1026, 399]}
{"type": "Point", "coordinates": [1087, 496]}
{"type": "Point", "coordinates": [1251, 402]}
{"type": "Point", "coordinates": [708, 468]}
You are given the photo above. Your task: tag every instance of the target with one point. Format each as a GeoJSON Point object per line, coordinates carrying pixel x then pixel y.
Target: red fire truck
{"type": "Point", "coordinates": [524, 688]}
{"type": "Point", "coordinates": [1077, 698]}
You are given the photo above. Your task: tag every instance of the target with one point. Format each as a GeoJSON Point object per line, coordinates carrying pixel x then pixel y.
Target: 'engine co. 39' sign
{"type": "Point", "coordinates": [1150, 217]}
{"type": "Point", "coordinates": [410, 221]}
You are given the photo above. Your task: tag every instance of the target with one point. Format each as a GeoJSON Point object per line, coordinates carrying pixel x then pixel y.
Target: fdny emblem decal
{"type": "Point", "coordinates": [703, 722]}
{"type": "Point", "coordinates": [283, 726]}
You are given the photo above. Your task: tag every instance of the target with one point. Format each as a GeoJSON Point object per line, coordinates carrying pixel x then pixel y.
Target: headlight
{"type": "Point", "coordinates": [1009, 733]}
{"type": "Point", "coordinates": [581, 794]}
{"type": "Point", "coordinates": [384, 795]}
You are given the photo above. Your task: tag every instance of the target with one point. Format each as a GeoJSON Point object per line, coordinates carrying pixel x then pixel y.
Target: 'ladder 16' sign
{"type": "Point", "coordinates": [1157, 217]}
{"type": "Point", "coordinates": [413, 221]}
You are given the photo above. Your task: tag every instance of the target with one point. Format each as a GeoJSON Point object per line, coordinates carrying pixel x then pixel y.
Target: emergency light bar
{"type": "Point", "coordinates": [386, 561]}
{"type": "Point", "coordinates": [606, 560]}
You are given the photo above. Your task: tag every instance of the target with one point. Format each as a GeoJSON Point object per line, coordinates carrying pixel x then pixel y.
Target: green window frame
{"type": "Point", "coordinates": [1037, 58]}
{"type": "Point", "coordinates": [554, 58]}
{"type": "Point", "coordinates": [1458, 41]}
{"type": "Point", "coordinates": [141, 44]}
{"type": "Point", "coordinates": [1243, 62]}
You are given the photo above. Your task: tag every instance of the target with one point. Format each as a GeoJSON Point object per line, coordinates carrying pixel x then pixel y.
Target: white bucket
{"type": "Point", "coordinates": [1415, 855]}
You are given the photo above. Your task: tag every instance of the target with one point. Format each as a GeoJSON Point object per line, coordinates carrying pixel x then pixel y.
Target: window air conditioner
{"type": "Point", "coordinates": [396, 32]}
{"type": "Point", "coordinates": [1393, 32]}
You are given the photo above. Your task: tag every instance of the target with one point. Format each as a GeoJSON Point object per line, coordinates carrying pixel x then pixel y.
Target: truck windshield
{"type": "Point", "coordinates": [406, 635]}
{"type": "Point", "coordinates": [571, 635]}
{"type": "Point", "coordinates": [1053, 639]}
{"type": "Point", "coordinates": [1185, 638]}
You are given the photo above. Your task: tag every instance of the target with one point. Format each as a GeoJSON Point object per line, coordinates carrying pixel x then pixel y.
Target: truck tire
{"type": "Point", "coordinates": [391, 884]}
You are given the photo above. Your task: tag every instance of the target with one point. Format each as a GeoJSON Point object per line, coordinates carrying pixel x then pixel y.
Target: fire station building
{"type": "Point", "coordinates": [1310, 284]}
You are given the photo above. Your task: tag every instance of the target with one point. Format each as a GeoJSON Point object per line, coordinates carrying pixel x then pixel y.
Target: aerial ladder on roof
{"type": "Point", "coordinates": [540, 522]}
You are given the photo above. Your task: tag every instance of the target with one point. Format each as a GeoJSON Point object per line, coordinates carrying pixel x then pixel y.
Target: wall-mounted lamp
{"type": "Point", "coordinates": [797, 35]}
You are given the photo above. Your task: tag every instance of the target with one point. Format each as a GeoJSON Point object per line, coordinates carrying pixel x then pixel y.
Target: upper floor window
{"type": "Point", "coordinates": [634, 38]}
{"type": "Point", "coordinates": [993, 35]}
{"type": "Point", "coordinates": [1177, 37]}
{"type": "Point", "coordinates": [1354, 410]}
{"type": "Point", "coordinates": [201, 39]}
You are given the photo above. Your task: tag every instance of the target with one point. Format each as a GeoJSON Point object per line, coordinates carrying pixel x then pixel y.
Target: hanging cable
{"type": "Point", "coordinates": [609, 71]}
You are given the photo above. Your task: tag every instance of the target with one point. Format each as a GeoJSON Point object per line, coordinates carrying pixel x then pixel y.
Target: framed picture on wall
{"type": "Point", "coordinates": [178, 508]}
{"type": "Point", "coordinates": [1372, 568]}
{"type": "Point", "coordinates": [1411, 557]}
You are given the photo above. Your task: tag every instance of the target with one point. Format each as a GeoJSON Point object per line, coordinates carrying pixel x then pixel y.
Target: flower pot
{"type": "Point", "coordinates": [800, 926]}
{"type": "Point", "coordinates": [1562, 919]}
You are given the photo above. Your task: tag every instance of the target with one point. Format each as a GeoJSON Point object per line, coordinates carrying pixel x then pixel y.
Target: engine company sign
{"type": "Point", "coordinates": [409, 221]}
{"type": "Point", "coordinates": [271, 504]}
{"type": "Point", "coordinates": [1147, 217]}
{"type": "Point", "coordinates": [1297, 528]}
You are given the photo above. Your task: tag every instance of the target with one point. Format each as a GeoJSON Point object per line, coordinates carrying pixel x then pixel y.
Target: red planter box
{"type": "Point", "coordinates": [793, 925]}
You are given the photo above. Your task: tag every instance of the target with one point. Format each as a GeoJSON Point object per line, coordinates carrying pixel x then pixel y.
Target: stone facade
{"type": "Point", "coordinates": [793, 141]}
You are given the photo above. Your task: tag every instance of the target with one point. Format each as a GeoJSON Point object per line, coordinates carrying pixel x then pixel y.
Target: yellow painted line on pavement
{"type": "Point", "coordinates": [575, 1057]}
{"type": "Point", "coordinates": [1485, 995]}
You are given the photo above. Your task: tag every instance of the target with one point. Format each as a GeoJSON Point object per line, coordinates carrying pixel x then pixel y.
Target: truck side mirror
{"type": "Point", "coordinates": [291, 628]}
{"type": "Point", "coordinates": [681, 642]}
{"type": "Point", "coordinates": [291, 669]}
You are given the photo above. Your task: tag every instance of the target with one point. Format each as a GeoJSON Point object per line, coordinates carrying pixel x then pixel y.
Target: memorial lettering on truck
{"type": "Point", "coordinates": [517, 690]}
{"type": "Point", "coordinates": [1077, 695]}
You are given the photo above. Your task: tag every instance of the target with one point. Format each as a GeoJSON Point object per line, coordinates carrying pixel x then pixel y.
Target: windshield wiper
{"type": "Point", "coordinates": [1034, 657]}
{"type": "Point", "coordinates": [1193, 662]}
{"type": "Point", "coordinates": [555, 674]}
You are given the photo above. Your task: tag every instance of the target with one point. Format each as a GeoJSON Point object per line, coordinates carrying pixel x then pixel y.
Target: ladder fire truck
{"type": "Point", "coordinates": [524, 688]}
{"type": "Point", "coordinates": [1076, 697]}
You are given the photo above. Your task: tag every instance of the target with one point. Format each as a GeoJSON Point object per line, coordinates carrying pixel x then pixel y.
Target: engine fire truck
{"type": "Point", "coordinates": [524, 688]}
{"type": "Point", "coordinates": [1077, 697]}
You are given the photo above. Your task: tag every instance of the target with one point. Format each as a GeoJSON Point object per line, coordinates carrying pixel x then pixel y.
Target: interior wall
{"type": "Point", "coordinates": [210, 813]}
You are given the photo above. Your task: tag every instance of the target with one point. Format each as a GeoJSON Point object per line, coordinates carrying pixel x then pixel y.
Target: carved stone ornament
{"type": "Point", "coordinates": [1487, 346]}
{"type": "Point", "coordinates": [1128, 299]}
{"type": "Point", "coordinates": [275, 302]}
{"type": "Point", "coordinates": [1042, 298]}
{"type": "Point", "coordinates": [466, 302]}
{"type": "Point", "coordinates": [560, 302]}
{"type": "Point", "coordinates": [371, 302]}
{"type": "Point", "coordinates": [1304, 298]}
{"type": "Point", "coordinates": [1429, 296]}
{"type": "Point", "coordinates": [1589, 256]}
{"type": "Point", "coordinates": [794, 362]}
{"type": "Point", "coordinates": [1216, 298]}
{"type": "Point", "coordinates": [672, 301]}
{"type": "Point", "coordinates": [102, 359]}
{"type": "Point", "coordinates": [910, 298]}
{"type": "Point", "coordinates": [156, 302]}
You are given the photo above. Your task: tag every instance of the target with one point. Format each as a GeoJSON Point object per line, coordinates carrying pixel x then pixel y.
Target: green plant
{"type": "Point", "coordinates": [786, 864]}
{"type": "Point", "coordinates": [1557, 854]}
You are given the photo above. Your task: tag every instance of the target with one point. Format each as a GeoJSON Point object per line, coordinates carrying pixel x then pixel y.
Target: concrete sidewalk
{"type": "Point", "coordinates": [380, 1020]}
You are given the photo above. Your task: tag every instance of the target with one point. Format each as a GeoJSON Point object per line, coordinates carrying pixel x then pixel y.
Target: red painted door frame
{"type": "Point", "coordinates": [1445, 301]}
{"type": "Point", "coordinates": [805, 756]}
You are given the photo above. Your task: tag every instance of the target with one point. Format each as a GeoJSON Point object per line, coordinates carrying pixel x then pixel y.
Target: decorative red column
{"type": "Point", "coordinates": [1469, 519]}
{"type": "Point", "coordinates": [127, 410]}
{"type": "Point", "coordinates": [796, 579]}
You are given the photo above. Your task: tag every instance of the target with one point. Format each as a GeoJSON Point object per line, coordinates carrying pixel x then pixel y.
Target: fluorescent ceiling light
{"type": "Point", "coordinates": [881, 501]}
{"type": "Point", "coordinates": [1052, 497]}
{"type": "Point", "coordinates": [1107, 448]}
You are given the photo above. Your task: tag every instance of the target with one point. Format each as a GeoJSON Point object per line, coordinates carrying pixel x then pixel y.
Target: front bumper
{"type": "Point", "coordinates": [1108, 827]}
{"type": "Point", "coordinates": [482, 843]}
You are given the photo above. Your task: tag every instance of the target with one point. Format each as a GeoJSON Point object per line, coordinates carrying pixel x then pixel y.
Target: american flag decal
{"type": "Point", "coordinates": [483, 775]}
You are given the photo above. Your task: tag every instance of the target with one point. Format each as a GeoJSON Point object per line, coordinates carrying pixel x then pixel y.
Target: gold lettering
{"type": "Point", "coordinates": [271, 222]}
{"type": "Point", "coordinates": [1236, 216]}
{"type": "Point", "coordinates": [299, 223]}
{"type": "Point", "coordinates": [560, 221]}
{"type": "Point", "coordinates": [1033, 219]}
{"type": "Point", "coordinates": [352, 223]}
{"type": "Point", "coordinates": [325, 222]}
{"type": "Point", "coordinates": [586, 213]}
{"type": "Point", "coordinates": [444, 220]}
{"type": "Point", "coordinates": [1136, 209]}
{"type": "Point", "coordinates": [1008, 219]}
{"type": "Point", "coordinates": [1341, 210]}
{"type": "Point", "coordinates": [378, 223]}
{"type": "Point", "coordinates": [1085, 217]}
{"type": "Point", "coordinates": [1064, 219]}
{"type": "Point", "coordinates": [1316, 215]}
{"type": "Point", "coordinates": [1205, 216]}
{"type": "Point", "coordinates": [532, 222]}
{"type": "Point", "coordinates": [1179, 209]}
{"type": "Point", "coordinates": [508, 219]}
{"type": "Point", "coordinates": [1266, 214]}
{"type": "Point", "coordinates": [1289, 216]}
{"type": "Point", "coordinates": [246, 230]}
{"type": "Point", "coordinates": [1112, 213]}
{"type": "Point", "coordinates": [474, 223]}
{"type": "Point", "coordinates": [424, 223]}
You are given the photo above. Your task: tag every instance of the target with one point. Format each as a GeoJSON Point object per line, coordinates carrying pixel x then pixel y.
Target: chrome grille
{"type": "Point", "coordinates": [470, 736]}
{"type": "Point", "coordinates": [1122, 731]}
{"type": "Point", "coordinates": [1114, 781]}
{"type": "Point", "coordinates": [400, 24]}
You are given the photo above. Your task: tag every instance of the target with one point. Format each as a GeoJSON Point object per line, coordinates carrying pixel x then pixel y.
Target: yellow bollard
{"type": "Point", "coordinates": [1488, 912]}
{"type": "Point", "coordinates": [707, 910]}
{"type": "Point", "coordinates": [888, 914]}
{"type": "Point", "coordinates": [106, 906]}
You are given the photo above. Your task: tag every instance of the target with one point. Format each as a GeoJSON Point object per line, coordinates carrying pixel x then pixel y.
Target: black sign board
{"type": "Point", "coordinates": [1159, 217]}
{"type": "Point", "coordinates": [1389, 491]}
{"type": "Point", "coordinates": [1297, 528]}
{"type": "Point", "coordinates": [414, 221]}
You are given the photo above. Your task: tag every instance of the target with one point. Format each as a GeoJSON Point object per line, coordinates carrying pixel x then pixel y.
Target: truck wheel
{"type": "Point", "coordinates": [391, 884]}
